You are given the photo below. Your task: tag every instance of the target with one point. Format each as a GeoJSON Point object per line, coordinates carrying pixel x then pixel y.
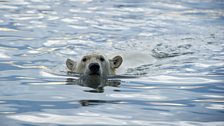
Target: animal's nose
{"type": "Point", "coordinates": [94, 67]}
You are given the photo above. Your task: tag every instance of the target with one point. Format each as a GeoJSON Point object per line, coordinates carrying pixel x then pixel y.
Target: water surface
{"type": "Point", "coordinates": [181, 84]}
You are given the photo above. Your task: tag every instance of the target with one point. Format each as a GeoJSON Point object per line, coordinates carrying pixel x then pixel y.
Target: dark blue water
{"type": "Point", "coordinates": [175, 48]}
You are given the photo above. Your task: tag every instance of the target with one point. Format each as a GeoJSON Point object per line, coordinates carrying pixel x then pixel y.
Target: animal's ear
{"type": "Point", "coordinates": [116, 62]}
{"type": "Point", "coordinates": [70, 64]}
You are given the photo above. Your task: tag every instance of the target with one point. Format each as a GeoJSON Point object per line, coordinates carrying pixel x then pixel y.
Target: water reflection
{"type": "Point", "coordinates": [97, 102]}
{"type": "Point", "coordinates": [23, 106]}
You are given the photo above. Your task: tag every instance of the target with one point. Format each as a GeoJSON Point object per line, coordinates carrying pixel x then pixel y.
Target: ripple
{"type": "Point", "coordinates": [4, 56]}
{"type": "Point", "coordinates": [164, 51]}
{"type": "Point", "coordinates": [138, 96]}
{"type": "Point", "coordinates": [8, 7]}
{"type": "Point", "coordinates": [98, 120]}
{"type": "Point", "coordinates": [39, 7]}
{"type": "Point", "coordinates": [24, 16]}
{"type": "Point", "coordinates": [176, 79]}
{"type": "Point", "coordinates": [68, 120]}
{"type": "Point", "coordinates": [7, 29]}
{"type": "Point", "coordinates": [166, 104]}
{"type": "Point", "coordinates": [216, 106]}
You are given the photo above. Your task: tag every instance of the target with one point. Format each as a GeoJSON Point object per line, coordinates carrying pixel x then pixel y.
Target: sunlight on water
{"type": "Point", "coordinates": [71, 120]}
{"type": "Point", "coordinates": [172, 71]}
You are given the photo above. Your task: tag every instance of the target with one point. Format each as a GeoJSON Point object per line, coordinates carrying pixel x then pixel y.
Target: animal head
{"type": "Point", "coordinates": [95, 64]}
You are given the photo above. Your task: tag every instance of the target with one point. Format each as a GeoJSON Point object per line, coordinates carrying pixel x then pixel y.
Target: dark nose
{"type": "Point", "coordinates": [94, 67]}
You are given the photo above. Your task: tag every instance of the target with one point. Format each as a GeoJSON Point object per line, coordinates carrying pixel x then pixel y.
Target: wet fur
{"type": "Point", "coordinates": [107, 67]}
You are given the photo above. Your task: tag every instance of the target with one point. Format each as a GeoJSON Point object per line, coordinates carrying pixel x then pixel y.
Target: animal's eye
{"type": "Point", "coordinates": [84, 59]}
{"type": "Point", "coordinates": [102, 59]}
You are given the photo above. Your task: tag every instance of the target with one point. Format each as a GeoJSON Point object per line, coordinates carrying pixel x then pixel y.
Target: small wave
{"type": "Point", "coordinates": [165, 51]}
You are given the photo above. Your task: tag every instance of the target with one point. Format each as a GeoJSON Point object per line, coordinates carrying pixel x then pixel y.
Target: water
{"type": "Point", "coordinates": [175, 48]}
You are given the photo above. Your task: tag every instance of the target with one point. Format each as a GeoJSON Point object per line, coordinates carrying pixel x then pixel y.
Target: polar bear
{"type": "Point", "coordinates": [94, 67]}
